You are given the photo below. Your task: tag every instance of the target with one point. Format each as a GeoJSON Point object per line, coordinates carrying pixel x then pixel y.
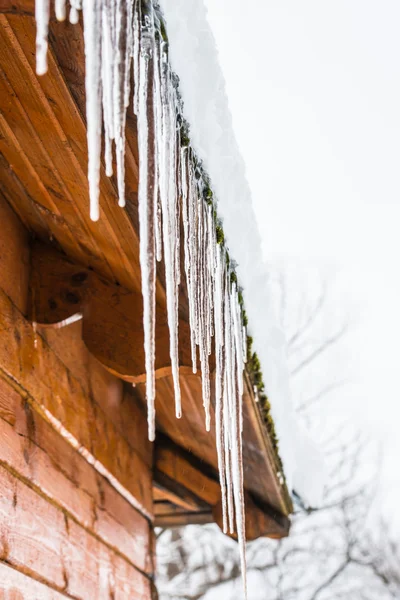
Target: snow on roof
{"type": "Point", "coordinates": [194, 58]}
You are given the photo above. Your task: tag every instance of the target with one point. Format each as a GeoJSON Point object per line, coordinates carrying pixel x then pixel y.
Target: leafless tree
{"type": "Point", "coordinates": [333, 552]}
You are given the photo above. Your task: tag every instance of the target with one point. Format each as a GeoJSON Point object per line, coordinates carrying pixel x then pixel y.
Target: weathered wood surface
{"type": "Point", "coordinates": [117, 399]}
{"type": "Point", "coordinates": [14, 257]}
{"type": "Point", "coordinates": [29, 364]}
{"type": "Point", "coordinates": [14, 585]}
{"type": "Point", "coordinates": [43, 160]}
{"type": "Point", "coordinates": [40, 540]}
{"type": "Point", "coordinates": [30, 447]}
{"type": "Point", "coordinates": [81, 398]}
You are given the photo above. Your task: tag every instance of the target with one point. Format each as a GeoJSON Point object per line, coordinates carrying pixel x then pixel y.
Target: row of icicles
{"type": "Point", "coordinates": [119, 35]}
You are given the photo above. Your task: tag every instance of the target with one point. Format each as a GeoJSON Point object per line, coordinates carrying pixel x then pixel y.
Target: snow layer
{"type": "Point", "coordinates": [194, 58]}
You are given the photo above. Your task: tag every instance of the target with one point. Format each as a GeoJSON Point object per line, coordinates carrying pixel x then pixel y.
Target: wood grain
{"type": "Point", "coordinates": [40, 540]}
{"type": "Point", "coordinates": [27, 362]}
{"type": "Point", "coordinates": [14, 585]}
{"type": "Point", "coordinates": [31, 448]}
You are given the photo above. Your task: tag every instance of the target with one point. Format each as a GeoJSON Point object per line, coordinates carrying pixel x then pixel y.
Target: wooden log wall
{"type": "Point", "coordinates": [75, 464]}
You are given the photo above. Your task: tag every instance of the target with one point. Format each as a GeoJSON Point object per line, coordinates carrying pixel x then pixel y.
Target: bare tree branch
{"type": "Point", "coordinates": [319, 350]}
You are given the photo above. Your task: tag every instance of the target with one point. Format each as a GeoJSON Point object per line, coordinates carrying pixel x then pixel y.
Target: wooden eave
{"type": "Point", "coordinates": [43, 165]}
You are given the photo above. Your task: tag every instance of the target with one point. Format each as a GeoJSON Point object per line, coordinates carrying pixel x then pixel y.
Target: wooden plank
{"type": "Point", "coordinates": [117, 399]}
{"type": "Point", "coordinates": [38, 539]}
{"type": "Point", "coordinates": [181, 519]}
{"type": "Point", "coordinates": [32, 531]}
{"type": "Point", "coordinates": [173, 496]}
{"type": "Point", "coordinates": [14, 585]}
{"type": "Point", "coordinates": [41, 457]}
{"type": "Point", "coordinates": [260, 520]}
{"type": "Point", "coordinates": [185, 471]}
{"type": "Point", "coordinates": [14, 257]}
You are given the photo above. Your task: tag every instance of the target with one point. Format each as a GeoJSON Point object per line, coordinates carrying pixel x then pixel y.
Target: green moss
{"type": "Point", "coordinates": [233, 277]}
{"type": "Point", "coordinates": [163, 31]}
{"type": "Point", "coordinates": [220, 235]}
{"type": "Point", "coordinates": [185, 140]}
{"type": "Point", "coordinates": [208, 195]}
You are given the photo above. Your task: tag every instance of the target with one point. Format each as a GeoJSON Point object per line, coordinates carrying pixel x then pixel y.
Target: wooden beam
{"type": "Point", "coordinates": [112, 316]}
{"type": "Point", "coordinates": [260, 520]}
{"type": "Point", "coordinates": [174, 496]}
{"type": "Point", "coordinates": [181, 519]}
{"type": "Point", "coordinates": [185, 476]}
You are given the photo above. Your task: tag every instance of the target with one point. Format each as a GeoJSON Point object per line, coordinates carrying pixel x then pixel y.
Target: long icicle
{"type": "Point", "coordinates": [42, 16]}
{"type": "Point", "coordinates": [146, 218]}
{"type": "Point", "coordinates": [92, 33]}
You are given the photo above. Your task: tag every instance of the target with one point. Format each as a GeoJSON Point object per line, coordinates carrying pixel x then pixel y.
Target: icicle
{"type": "Point", "coordinates": [190, 261]}
{"type": "Point", "coordinates": [92, 35]}
{"type": "Point", "coordinates": [219, 382]}
{"type": "Point", "coordinates": [158, 143]}
{"type": "Point", "coordinates": [237, 461]}
{"type": "Point", "coordinates": [169, 203]}
{"type": "Point", "coordinates": [76, 6]}
{"type": "Point", "coordinates": [42, 15]}
{"type": "Point", "coordinates": [136, 54]}
{"type": "Point", "coordinates": [178, 192]}
{"type": "Point", "coordinates": [119, 76]}
{"type": "Point", "coordinates": [229, 415]}
{"type": "Point", "coordinates": [228, 461]}
{"type": "Point", "coordinates": [128, 55]}
{"type": "Point", "coordinates": [146, 223]}
{"type": "Point", "coordinates": [107, 64]}
{"type": "Point", "coordinates": [61, 10]}
{"type": "Point", "coordinates": [187, 232]}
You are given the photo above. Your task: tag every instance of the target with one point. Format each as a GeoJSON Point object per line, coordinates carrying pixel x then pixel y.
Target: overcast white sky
{"type": "Point", "coordinates": [314, 91]}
